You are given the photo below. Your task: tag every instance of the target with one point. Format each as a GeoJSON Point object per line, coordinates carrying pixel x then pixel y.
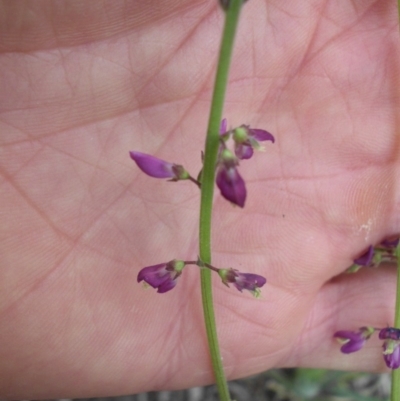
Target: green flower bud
{"type": "Point", "coordinates": [240, 135]}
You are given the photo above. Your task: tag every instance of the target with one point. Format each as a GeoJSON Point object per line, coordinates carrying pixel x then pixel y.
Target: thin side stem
{"type": "Point", "coordinates": [211, 267]}
{"type": "Point", "coordinates": [194, 181]}
{"type": "Point", "coordinates": [190, 262]}
{"type": "Point", "coordinates": [207, 190]}
{"type": "Point", "coordinates": [395, 391]}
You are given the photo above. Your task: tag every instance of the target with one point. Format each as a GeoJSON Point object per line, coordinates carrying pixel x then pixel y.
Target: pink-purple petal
{"type": "Point", "coordinates": [348, 335]}
{"type": "Point", "coordinates": [243, 152]}
{"type": "Point", "coordinates": [231, 185]}
{"type": "Point", "coordinates": [390, 243]}
{"type": "Point", "coordinates": [353, 340]}
{"type": "Point", "coordinates": [389, 333]}
{"type": "Point", "coordinates": [392, 360]}
{"type": "Point", "coordinates": [224, 126]}
{"type": "Point", "coordinates": [154, 275]}
{"type": "Point", "coordinates": [366, 258]}
{"type": "Point", "coordinates": [261, 135]}
{"type": "Point", "coordinates": [166, 286]}
{"type": "Point", "coordinates": [162, 276]}
{"type": "Point", "coordinates": [352, 346]}
{"type": "Point", "coordinates": [249, 281]}
{"type": "Point", "coordinates": [153, 166]}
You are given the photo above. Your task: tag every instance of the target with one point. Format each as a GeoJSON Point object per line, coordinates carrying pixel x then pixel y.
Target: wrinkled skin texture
{"type": "Point", "coordinates": [82, 83]}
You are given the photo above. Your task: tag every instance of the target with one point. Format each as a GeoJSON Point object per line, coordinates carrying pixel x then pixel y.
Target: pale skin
{"type": "Point", "coordinates": [82, 83]}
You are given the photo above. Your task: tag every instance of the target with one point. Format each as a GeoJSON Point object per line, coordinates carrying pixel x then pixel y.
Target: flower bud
{"type": "Point", "coordinates": [231, 185]}
{"type": "Point", "coordinates": [391, 353]}
{"type": "Point", "coordinates": [389, 333]}
{"type": "Point", "coordinates": [228, 180]}
{"type": "Point", "coordinates": [242, 281]}
{"type": "Point", "coordinates": [162, 276]}
{"type": "Point", "coordinates": [158, 168]}
{"type": "Point", "coordinates": [246, 139]}
{"type": "Point", "coordinates": [353, 341]}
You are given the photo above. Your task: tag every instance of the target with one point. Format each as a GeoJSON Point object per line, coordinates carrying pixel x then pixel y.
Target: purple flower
{"type": "Point", "coordinates": [162, 276]}
{"type": "Point", "coordinates": [366, 258]}
{"type": "Point", "coordinates": [353, 341]}
{"type": "Point", "coordinates": [158, 168]}
{"type": "Point", "coordinates": [223, 127]}
{"type": "Point", "coordinates": [243, 152]}
{"type": "Point", "coordinates": [391, 346]}
{"type": "Point", "coordinates": [242, 281]}
{"type": "Point", "coordinates": [373, 257]}
{"type": "Point", "coordinates": [246, 139]}
{"type": "Point", "coordinates": [231, 185]}
{"type": "Point", "coordinates": [389, 333]}
{"type": "Point", "coordinates": [229, 181]}
{"type": "Point", "coordinates": [390, 243]}
{"type": "Point", "coordinates": [391, 353]}
{"type": "Point", "coordinates": [224, 134]}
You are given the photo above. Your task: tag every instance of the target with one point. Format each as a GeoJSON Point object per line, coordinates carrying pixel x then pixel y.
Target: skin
{"type": "Point", "coordinates": [84, 82]}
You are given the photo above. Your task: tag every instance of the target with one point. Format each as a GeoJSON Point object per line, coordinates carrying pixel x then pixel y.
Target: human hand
{"type": "Point", "coordinates": [85, 82]}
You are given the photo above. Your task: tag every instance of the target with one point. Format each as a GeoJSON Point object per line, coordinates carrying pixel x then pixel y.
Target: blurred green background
{"type": "Point", "coordinates": [284, 385]}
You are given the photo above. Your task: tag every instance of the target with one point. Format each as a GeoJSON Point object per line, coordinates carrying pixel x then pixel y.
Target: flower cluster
{"type": "Point", "coordinates": [164, 276]}
{"type": "Point", "coordinates": [246, 139]}
{"type": "Point", "coordinates": [374, 256]}
{"type": "Point", "coordinates": [228, 179]}
{"type": "Point", "coordinates": [353, 341]}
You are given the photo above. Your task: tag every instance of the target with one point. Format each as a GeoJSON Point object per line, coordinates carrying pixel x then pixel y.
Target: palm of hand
{"type": "Point", "coordinates": [80, 220]}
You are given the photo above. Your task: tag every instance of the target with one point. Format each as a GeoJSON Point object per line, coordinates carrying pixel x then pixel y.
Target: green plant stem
{"type": "Point", "coordinates": [395, 391]}
{"type": "Point", "coordinates": [207, 190]}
